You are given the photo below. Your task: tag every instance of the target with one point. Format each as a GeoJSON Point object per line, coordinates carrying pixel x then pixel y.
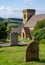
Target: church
{"type": "Point", "coordinates": [29, 21]}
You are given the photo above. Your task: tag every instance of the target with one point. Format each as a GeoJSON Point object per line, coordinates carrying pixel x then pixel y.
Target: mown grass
{"type": "Point", "coordinates": [24, 39]}
{"type": "Point", "coordinates": [19, 39]}
{"type": "Point", "coordinates": [15, 55]}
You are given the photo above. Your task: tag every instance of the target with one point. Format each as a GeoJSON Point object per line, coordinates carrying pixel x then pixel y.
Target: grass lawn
{"type": "Point", "coordinates": [19, 39]}
{"type": "Point", "coordinates": [15, 56]}
{"type": "Point", "coordinates": [24, 40]}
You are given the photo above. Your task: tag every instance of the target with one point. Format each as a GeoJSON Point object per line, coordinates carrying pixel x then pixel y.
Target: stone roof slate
{"type": "Point", "coordinates": [34, 19]}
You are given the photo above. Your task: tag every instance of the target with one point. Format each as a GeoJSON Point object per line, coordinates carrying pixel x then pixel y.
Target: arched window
{"type": "Point", "coordinates": [24, 16]}
{"type": "Point", "coordinates": [23, 35]}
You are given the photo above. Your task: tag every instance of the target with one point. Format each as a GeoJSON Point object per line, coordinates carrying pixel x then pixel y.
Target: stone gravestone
{"type": "Point", "coordinates": [32, 51]}
{"type": "Point", "coordinates": [14, 36]}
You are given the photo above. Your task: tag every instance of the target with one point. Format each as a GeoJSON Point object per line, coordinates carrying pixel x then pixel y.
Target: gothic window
{"type": "Point", "coordinates": [24, 16]}
{"type": "Point", "coordinates": [23, 35]}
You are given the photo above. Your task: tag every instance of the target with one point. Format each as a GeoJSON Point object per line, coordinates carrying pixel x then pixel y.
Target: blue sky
{"type": "Point", "coordinates": [13, 8]}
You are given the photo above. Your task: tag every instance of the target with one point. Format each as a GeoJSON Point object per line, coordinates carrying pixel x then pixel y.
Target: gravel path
{"type": "Point", "coordinates": [5, 44]}
{"type": "Point", "coordinates": [9, 44]}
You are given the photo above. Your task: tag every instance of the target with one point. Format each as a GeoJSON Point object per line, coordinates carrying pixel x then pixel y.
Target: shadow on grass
{"type": "Point", "coordinates": [1, 51]}
{"type": "Point", "coordinates": [42, 61]}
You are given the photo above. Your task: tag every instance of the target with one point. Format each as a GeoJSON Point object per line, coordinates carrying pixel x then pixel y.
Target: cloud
{"type": "Point", "coordinates": [40, 11]}
{"type": "Point", "coordinates": [7, 12]}
{"type": "Point", "coordinates": [29, 2]}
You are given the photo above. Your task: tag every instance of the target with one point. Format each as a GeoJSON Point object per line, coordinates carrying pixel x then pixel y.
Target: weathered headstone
{"type": "Point", "coordinates": [32, 51]}
{"type": "Point", "coordinates": [14, 36]}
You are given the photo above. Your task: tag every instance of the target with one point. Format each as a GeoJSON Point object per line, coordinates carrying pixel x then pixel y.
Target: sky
{"type": "Point", "coordinates": [14, 8]}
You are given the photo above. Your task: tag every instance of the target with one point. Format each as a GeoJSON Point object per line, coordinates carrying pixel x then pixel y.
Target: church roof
{"type": "Point", "coordinates": [34, 19]}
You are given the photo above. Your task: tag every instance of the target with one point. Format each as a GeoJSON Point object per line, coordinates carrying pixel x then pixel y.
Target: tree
{"type": "Point", "coordinates": [3, 30]}
{"type": "Point", "coordinates": [11, 26]}
{"type": "Point", "coordinates": [39, 30]}
{"type": "Point", "coordinates": [39, 34]}
{"type": "Point", "coordinates": [39, 25]}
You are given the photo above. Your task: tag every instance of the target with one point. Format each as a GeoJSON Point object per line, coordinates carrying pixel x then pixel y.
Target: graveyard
{"type": "Point", "coordinates": [22, 32]}
{"type": "Point", "coordinates": [25, 43]}
{"type": "Point", "coordinates": [20, 55]}
{"type": "Point", "coordinates": [23, 51]}
{"type": "Point", "coordinates": [15, 55]}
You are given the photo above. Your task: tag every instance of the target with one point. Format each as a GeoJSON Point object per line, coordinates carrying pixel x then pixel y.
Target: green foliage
{"type": "Point", "coordinates": [42, 41]}
{"type": "Point", "coordinates": [10, 26]}
{"type": "Point", "coordinates": [39, 30]}
{"type": "Point", "coordinates": [40, 25]}
{"type": "Point", "coordinates": [39, 34]}
{"type": "Point", "coordinates": [3, 30]}
{"type": "Point", "coordinates": [23, 40]}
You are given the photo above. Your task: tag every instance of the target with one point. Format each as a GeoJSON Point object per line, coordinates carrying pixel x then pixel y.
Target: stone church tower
{"type": "Point", "coordinates": [27, 14]}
